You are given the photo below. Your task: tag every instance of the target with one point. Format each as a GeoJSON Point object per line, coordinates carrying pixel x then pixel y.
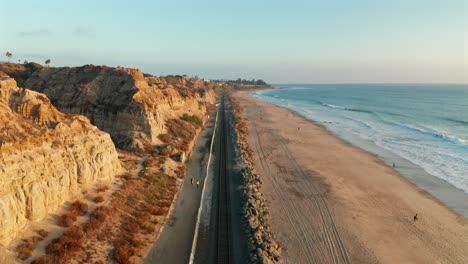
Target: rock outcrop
{"type": "Point", "coordinates": [132, 108]}
{"type": "Point", "coordinates": [45, 156]}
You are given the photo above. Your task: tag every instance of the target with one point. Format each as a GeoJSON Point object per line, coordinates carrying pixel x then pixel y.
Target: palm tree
{"type": "Point", "coordinates": [47, 62]}
{"type": "Point", "coordinates": [9, 55]}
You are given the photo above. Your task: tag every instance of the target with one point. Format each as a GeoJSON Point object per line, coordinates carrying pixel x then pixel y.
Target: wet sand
{"type": "Point", "coordinates": [331, 202]}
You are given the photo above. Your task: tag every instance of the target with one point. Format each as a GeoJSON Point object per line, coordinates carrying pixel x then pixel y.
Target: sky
{"type": "Point", "coordinates": [347, 41]}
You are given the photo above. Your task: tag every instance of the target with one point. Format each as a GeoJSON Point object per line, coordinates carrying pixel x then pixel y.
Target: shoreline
{"type": "Point", "coordinates": [440, 190]}
{"type": "Point", "coordinates": [368, 199]}
{"type": "Point", "coordinates": [400, 174]}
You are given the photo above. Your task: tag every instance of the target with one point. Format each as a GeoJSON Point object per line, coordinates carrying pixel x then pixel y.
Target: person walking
{"type": "Point", "coordinates": [191, 181]}
{"type": "Point", "coordinates": [198, 184]}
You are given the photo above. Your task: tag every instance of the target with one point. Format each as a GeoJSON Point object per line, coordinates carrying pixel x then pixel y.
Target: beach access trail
{"type": "Point", "coordinates": [174, 245]}
{"type": "Point", "coordinates": [331, 202]}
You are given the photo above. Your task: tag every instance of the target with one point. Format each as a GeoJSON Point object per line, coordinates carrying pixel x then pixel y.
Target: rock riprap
{"type": "Point", "coordinates": [132, 108]}
{"type": "Point", "coordinates": [45, 156]}
{"type": "Point", "coordinates": [262, 246]}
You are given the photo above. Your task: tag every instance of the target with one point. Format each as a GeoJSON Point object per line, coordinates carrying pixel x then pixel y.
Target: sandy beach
{"type": "Point", "coordinates": [331, 202]}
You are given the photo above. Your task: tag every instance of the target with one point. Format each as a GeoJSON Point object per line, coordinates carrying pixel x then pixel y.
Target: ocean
{"type": "Point", "coordinates": [423, 129]}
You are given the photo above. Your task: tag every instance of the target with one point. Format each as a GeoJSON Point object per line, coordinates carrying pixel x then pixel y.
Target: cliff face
{"type": "Point", "coordinates": [45, 156]}
{"type": "Point", "coordinates": [132, 108]}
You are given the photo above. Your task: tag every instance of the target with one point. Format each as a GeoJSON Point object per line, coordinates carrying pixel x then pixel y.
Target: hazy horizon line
{"type": "Point", "coordinates": [370, 83]}
{"type": "Point", "coordinates": [270, 83]}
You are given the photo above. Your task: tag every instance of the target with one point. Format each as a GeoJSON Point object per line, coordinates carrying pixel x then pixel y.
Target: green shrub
{"type": "Point", "coordinates": [157, 179]}
{"type": "Point", "coordinates": [149, 197]}
{"type": "Point", "coordinates": [192, 118]}
{"type": "Point", "coordinates": [179, 129]}
{"type": "Point", "coordinates": [164, 151]}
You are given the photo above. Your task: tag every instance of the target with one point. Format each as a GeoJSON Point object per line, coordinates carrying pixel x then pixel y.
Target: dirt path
{"type": "Point", "coordinates": [140, 165]}
{"type": "Point", "coordinates": [333, 203]}
{"type": "Point", "coordinates": [175, 241]}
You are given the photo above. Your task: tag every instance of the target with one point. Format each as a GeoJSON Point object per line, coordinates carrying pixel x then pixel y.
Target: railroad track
{"type": "Point", "coordinates": [223, 234]}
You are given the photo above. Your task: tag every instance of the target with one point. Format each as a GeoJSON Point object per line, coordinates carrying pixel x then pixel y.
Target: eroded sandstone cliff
{"type": "Point", "coordinates": [132, 108]}
{"type": "Point", "coordinates": [45, 156]}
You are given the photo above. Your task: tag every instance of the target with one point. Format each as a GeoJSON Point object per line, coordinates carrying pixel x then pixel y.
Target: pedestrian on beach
{"type": "Point", "coordinates": [394, 165]}
{"type": "Point", "coordinates": [191, 181]}
{"type": "Point", "coordinates": [415, 217]}
{"type": "Point", "coordinates": [198, 184]}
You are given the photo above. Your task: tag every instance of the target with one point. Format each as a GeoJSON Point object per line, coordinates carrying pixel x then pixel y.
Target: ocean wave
{"type": "Point", "coordinates": [440, 153]}
{"type": "Point", "coordinates": [430, 150]}
{"type": "Point", "coordinates": [433, 133]}
{"type": "Point", "coordinates": [450, 168]}
{"type": "Point", "coordinates": [333, 106]}
{"type": "Point", "coordinates": [346, 108]}
{"type": "Point", "coordinates": [457, 121]}
{"type": "Point", "coordinates": [426, 131]}
{"type": "Point", "coordinates": [361, 123]}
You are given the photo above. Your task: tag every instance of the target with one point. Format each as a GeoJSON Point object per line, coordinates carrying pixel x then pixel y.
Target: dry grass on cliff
{"type": "Point", "coordinates": [76, 209]}
{"type": "Point", "coordinates": [43, 233]}
{"type": "Point", "coordinates": [64, 247]}
{"type": "Point", "coordinates": [180, 129]}
{"type": "Point", "coordinates": [180, 134]}
{"type": "Point", "coordinates": [165, 138]}
{"type": "Point", "coordinates": [102, 189]}
{"type": "Point", "coordinates": [98, 199]}
{"type": "Point", "coordinates": [71, 241]}
{"type": "Point", "coordinates": [97, 220]}
{"type": "Point", "coordinates": [143, 199]}
{"type": "Point", "coordinates": [118, 230]}
{"type": "Point", "coordinates": [181, 171]}
{"type": "Point", "coordinates": [20, 72]}
{"type": "Point", "coordinates": [25, 249]}
{"type": "Point", "coordinates": [66, 220]}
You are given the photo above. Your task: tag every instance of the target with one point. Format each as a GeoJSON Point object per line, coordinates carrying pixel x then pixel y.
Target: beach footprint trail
{"type": "Point", "coordinates": [313, 236]}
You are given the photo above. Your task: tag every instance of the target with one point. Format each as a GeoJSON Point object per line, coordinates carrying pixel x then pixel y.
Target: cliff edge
{"type": "Point", "coordinates": [45, 156]}
{"type": "Point", "coordinates": [132, 108]}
